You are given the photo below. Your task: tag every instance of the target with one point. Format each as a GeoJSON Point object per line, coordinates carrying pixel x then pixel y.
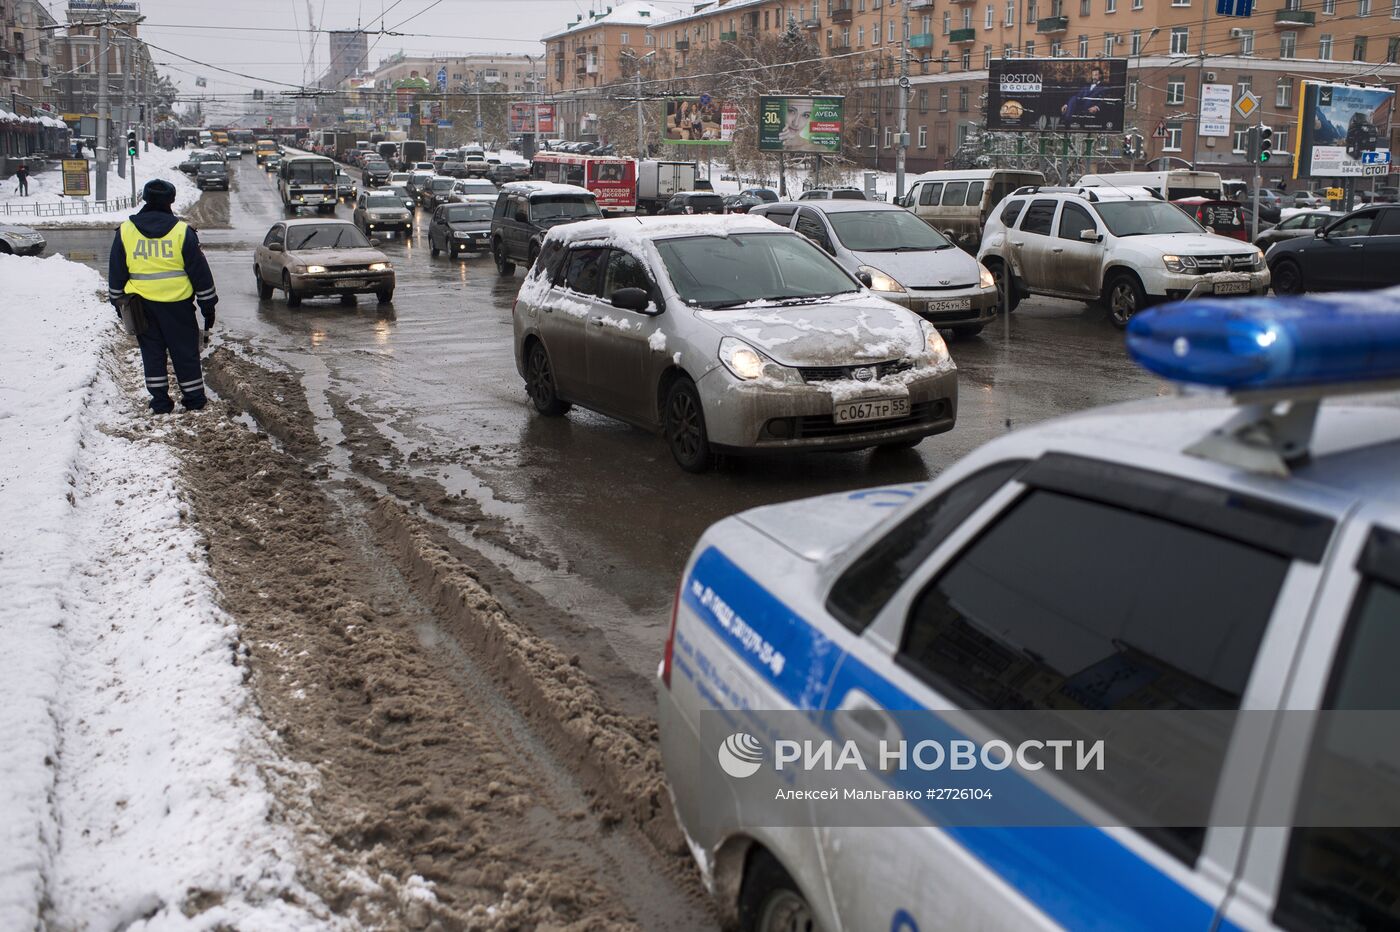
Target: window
{"type": "Point", "coordinates": [860, 35]}
{"type": "Point", "coordinates": [1056, 50]}
{"type": "Point", "coordinates": [869, 582]}
{"type": "Point", "coordinates": [1363, 7]}
{"type": "Point", "coordinates": [1038, 217]}
{"type": "Point", "coordinates": [891, 36]}
{"type": "Point", "coordinates": [1010, 212]}
{"type": "Point", "coordinates": [1132, 97]}
{"type": "Point", "coordinates": [931, 194]}
{"type": "Point", "coordinates": [809, 225]}
{"type": "Point", "coordinates": [1173, 141]}
{"type": "Point", "coordinates": [1137, 4]}
{"type": "Point", "coordinates": [874, 35]}
{"type": "Point", "coordinates": [1176, 90]}
{"type": "Point", "coordinates": [1324, 46]}
{"type": "Point", "coordinates": [889, 135]}
{"type": "Point", "coordinates": [955, 194]}
{"type": "Point", "coordinates": [991, 17]}
{"type": "Point", "coordinates": [1329, 7]}
{"type": "Point", "coordinates": [966, 19]}
{"type": "Point", "coordinates": [1030, 50]}
{"type": "Point", "coordinates": [1181, 39]}
{"type": "Point", "coordinates": [1181, 2]}
{"type": "Point", "coordinates": [625, 271]}
{"type": "Point", "coordinates": [1109, 41]}
{"type": "Point", "coordinates": [1011, 11]}
{"type": "Point", "coordinates": [1241, 140]}
{"type": "Point", "coordinates": [1389, 225]}
{"type": "Point", "coordinates": [1395, 9]}
{"type": "Point", "coordinates": [1358, 224]}
{"type": "Point", "coordinates": [622, 37]}
{"type": "Point", "coordinates": [1073, 219]}
{"type": "Point", "coordinates": [1243, 85]}
{"type": "Point", "coordinates": [1083, 46]}
{"type": "Point", "coordinates": [923, 137]}
{"type": "Point", "coordinates": [947, 21]}
{"type": "Point", "coordinates": [1288, 45]}
{"type": "Point", "coordinates": [1392, 48]}
{"type": "Point", "coordinates": [584, 272]}
{"type": "Point", "coordinates": [974, 197]}
{"type": "Point", "coordinates": [1281, 140]}
{"type": "Point", "coordinates": [987, 57]}
{"type": "Point", "coordinates": [943, 99]}
{"type": "Point", "coordinates": [966, 61]}
{"type": "Point", "coordinates": [1246, 41]}
{"type": "Point", "coordinates": [1135, 42]}
{"type": "Point", "coordinates": [923, 100]}
{"type": "Point", "coordinates": [962, 100]}
{"type": "Point", "coordinates": [1110, 6]}
{"type": "Point", "coordinates": [274, 235]}
{"type": "Point", "coordinates": [1084, 7]}
{"type": "Point", "coordinates": [1358, 49]}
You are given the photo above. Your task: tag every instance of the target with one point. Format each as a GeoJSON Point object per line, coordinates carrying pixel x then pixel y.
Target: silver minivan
{"type": "Point", "coordinates": [957, 203]}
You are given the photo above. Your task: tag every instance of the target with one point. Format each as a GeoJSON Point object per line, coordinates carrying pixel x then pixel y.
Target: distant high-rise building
{"type": "Point", "coordinates": [349, 52]}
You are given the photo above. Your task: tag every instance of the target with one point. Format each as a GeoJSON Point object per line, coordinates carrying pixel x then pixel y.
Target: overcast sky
{"type": "Point", "coordinates": [209, 32]}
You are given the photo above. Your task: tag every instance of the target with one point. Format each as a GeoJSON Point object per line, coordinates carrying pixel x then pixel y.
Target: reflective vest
{"type": "Point", "coordinates": [156, 265]}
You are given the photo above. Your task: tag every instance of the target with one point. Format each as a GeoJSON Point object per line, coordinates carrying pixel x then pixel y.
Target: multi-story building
{"type": "Point", "coordinates": [593, 54]}
{"type": "Point", "coordinates": [77, 64]}
{"type": "Point", "coordinates": [349, 50]}
{"type": "Point", "coordinates": [26, 56]}
{"type": "Point", "coordinates": [514, 73]}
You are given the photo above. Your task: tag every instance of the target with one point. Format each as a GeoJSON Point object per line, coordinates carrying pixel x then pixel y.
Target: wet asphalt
{"type": "Point", "coordinates": [615, 519]}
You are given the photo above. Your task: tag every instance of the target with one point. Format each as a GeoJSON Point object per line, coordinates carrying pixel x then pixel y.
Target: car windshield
{"type": "Point", "coordinates": [563, 207]}
{"type": "Point", "coordinates": [401, 192]}
{"type": "Point", "coordinates": [885, 231]}
{"type": "Point", "coordinates": [383, 201]}
{"type": "Point", "coordinates": [727, 271]}
{"type": "Point", "coordinates": [325, 236]}
{"type": "Point", "coordinates": [1143, 218]}
{"type": "Point", "coordinates": [442, 184]}
{"type": "Point", "coordinates": [462, 213]}
{"type": "Point", "coordinates": [377, 166]}
{"type": "Point", "coordinates": [476, 187]}
{"type": "Point", "coordinates": [704, 200]}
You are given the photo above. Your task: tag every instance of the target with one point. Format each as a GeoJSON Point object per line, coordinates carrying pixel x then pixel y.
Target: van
{"type": "Point", "coordinates": [957, 203]}
{"type": "Point", "coordinates": [1175, 185]}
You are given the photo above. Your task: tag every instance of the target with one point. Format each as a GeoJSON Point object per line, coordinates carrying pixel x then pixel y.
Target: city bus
{"type": "Point", "coordinates": [612, 180]}
{"type": "Point", "coordinates": [219, 137]}
{"type": "Point", "coordinates": [307, 181]}
{"type": "Point", "coordinates": [265, 147]}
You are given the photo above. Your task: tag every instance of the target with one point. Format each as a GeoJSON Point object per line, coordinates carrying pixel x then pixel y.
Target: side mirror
{"type": "Point", "coordinates": [1321, 233]}
{"type": "Point", "coordinates": [951, 234]}
{"type": "Point", "coordinates": [374, 241]}
{"type": "Point", "coordinates": [274, 247]}
{"type": "Point", "coordinates": [1090, 235]}
{"type": "Point", "coordinates": [631, 299]}
{"type": "Point", "coordinates": [865, 279]}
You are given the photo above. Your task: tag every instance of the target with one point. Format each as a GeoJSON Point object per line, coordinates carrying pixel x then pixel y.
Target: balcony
{"type": "Point", "coordinates": [958, 36]}
{"type": "Point", "coordinates": [1052, 24]}
{"type": "Point", "coordinates": [813, 23]}
{"type": "Point", "coordinates": [1295, 18]}
{"type": "Point", "coordinates": [729, 37]}
{"type": "Point", "coordinates": [921, 40]}
{"type": "Point", "coordinates": [682, 45]}
{"type": "Point", "coordinates": [920, 4]}
{"type": "Point", "coordinates": [842, 14]}
{"type": "Point", "coordinates": [839, 45]}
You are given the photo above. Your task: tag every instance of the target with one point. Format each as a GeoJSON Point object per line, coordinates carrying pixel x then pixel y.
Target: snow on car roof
{"type": "Point", "coordinates": [544, 187]}
{"type": "Point", "coordinates": [641, 229]}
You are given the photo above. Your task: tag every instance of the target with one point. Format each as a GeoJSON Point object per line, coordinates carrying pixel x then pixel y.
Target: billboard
{"type": "Point", "coordinates": [801, 124]}
{"type": "Point", "coordinates": [1083, 95]}
{"type": "Point", "coordinates": [699, 121]}
{"type": "Point", "coordinates": [531, 118]}
{"type": "Point", "coordinates": [1217, 100]}
{"type": "Point", "coordinates": [1343, 130]}
{"type": "Point", "coordinates": [429, 112]}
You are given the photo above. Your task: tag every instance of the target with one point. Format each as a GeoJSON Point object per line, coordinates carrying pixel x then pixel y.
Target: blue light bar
{"type": "Point", "coordinates": [1269, 343]}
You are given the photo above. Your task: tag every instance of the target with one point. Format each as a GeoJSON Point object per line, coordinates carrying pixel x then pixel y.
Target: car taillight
{"type": "Point", "coordinates": [671, 639]}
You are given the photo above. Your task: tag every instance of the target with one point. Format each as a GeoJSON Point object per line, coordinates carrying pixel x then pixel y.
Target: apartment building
{"type": "Point", "coordinates": [593, 53]}
{"type": "Point", "coordinates": [511, 73]}
{"type": "Point", "coordinates": [26, 56]}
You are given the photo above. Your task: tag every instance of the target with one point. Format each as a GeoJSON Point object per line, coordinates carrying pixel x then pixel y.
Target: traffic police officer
{"type": "Point", "coordinates": [157, 256]}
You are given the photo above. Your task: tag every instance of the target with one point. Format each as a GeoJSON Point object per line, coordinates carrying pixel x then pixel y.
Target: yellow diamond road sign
{"type": "Point", "coordinates": [1246, 104]}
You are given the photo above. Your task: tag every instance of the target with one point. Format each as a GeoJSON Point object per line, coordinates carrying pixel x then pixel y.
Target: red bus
{"type": "Point", "coordinates": [612, 180]}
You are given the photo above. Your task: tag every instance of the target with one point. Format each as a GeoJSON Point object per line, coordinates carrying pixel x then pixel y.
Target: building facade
{"type": "Point", "coordinates": [26, 56]}
{"type": "Point", "coordinates": [349, 51]}
{"type": "Point", "coordinates": [592, 55]}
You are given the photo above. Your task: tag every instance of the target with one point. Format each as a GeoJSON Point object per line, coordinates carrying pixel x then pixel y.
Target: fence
{"type": "Point", "coordinates": [69, 207]}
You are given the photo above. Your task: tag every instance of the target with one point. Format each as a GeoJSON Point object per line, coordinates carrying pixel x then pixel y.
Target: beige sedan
{"type": "Point", "coordinates": [315, 257]}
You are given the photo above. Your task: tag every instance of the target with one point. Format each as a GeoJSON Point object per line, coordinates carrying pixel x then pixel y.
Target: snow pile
{"type": "Point", "coordinates": [46, 188]}
{"type": "Point", "coordinates": [130, 784]}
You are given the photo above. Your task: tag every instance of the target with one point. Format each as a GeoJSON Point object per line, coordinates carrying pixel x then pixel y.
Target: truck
{"type": "Point", "coordinates": [344, 142]}
{"type": "Point", "coordinates": [658, 180]}
{"type": "Point", "coordinates": [411, 151]}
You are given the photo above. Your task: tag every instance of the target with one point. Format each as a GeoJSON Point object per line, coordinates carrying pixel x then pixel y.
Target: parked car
{"type": "Point", "coordinates": [16, 240]}
{"type": "Point", "coordinates": [1303, 199]}
{"type": "Point", "coordinates": [763, 194]}
{"type": "Point", "coordinates": [345, 189]}
{"type": "Point", "coordinates": [459, 228]}
{"type": "Point", "coordinates": [827, 194]}
{"type": "Point", "coordinates": [467, 189]}
{"type": "Point", "coordinates": [435, 191]}
{"type": "Point", "coordinates": [742, 203]}
{"type": "Point", "coordinates": [725, 334]}
{"type": "Point", "coordinates": [899, 257]}
{"type": "Point", "coordinates": [1123, 248]}
{"type": "Point", "coordinates": [212, 175]}
{"type": "Point", "coordinates": [526, 210]}
{"type": "Point", "coordinates": [381, 210]}
{"type": "Point", "coordinates": [694, 202]}
{"type": "Point", "coordinates": [376, 173]}
{"type": "Point", "coordinates": [313, 257]}
{"type": "Point", "coordinates": [1381, 195]}
{"type": "Point", "coordinates": [1301, 223]}
{"type": "Point", "coordinates": [1270, 203]}
{"type": "Point", "coordinates": [1356, 251]}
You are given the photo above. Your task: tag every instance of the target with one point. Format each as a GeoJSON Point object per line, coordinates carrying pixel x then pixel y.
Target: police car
{"type": "Point", "coordinates": [1237, 548]}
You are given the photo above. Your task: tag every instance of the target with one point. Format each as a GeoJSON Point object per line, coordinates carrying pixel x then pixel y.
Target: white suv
{"type": "Point", "coordinates": [1124, 248]}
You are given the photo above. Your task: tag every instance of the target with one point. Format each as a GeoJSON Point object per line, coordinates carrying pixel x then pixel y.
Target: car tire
{"type": "Point", "coordinates": [347, 300]}
{"type": "Point", "coordinates": [453, 252]}
{"type": "Point", "coordinates": [539, 383]}
{"type": "Point", "coordinates": [683, 418]}
{"type": "Point", "coordinates": [293, 299]}
{"type": "Point", "coordinates": [385, 295]}
{"type": "Point", "coordinates": [1007, 294]}
{"type": "Point", "coordinates": [432, 248]}
{"type": "Point", "coordinates": [264, 289]}
{"type": "Point", "coordinates": [968, 332]}
{"type": "Point", "coordinates": [5, 249]}
{"type": "Point", "coordinates": [1287, 277]}
{"type": "Point", "coordinates": [769, 900]}
{"type": "Point", "coordinates": [1123, 297]}
{"type": "Point", "coordinates": [498, 252]}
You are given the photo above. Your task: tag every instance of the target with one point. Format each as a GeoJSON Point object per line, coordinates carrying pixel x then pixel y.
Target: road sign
{"type": "Point", "coordinates": [1246, 104]}
{"type": "Point", "coordinates": [1372, 158]}
{"type": "Point", "coordinates": [480, 124]}
{"type": "Point", "coordinates": [1335, 194]}
{"type": "Point", "coordinates": [1161, 131]}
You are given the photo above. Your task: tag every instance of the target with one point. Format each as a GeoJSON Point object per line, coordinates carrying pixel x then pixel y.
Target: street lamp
{"type": "Point", "coordinates": [641, 126]}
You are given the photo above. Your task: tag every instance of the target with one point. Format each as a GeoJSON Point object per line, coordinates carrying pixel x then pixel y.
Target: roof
{"type": "Point", "coordinates": [624, 14]}
{"type": "Point", "coordinates": [709, 9]}
{"type": "Point", "coordinates": [532, 188]}
{"type": "Point", "coordinates": [844, 205]}
{"type": "Point", "coordinates": [632, 229]}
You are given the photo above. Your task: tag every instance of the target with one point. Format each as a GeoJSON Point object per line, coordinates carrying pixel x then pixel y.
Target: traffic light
{"type": "Point", "coordinates": [131, 143]}
{"type": "Point", "coordinates": [1266, 144]}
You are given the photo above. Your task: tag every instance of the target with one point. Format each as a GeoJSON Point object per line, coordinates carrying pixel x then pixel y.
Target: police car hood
{"type": "Point", "coordinates": [154, 223]}
{"type": "Point", "coordinates": [840, 331]}
{"type": "Point", "coordinates": [818, 528]}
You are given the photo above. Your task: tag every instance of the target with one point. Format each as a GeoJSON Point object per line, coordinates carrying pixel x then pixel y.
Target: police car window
{"type": "Point", "coordinates": [585, 270]}
{"type": "Point", "coordinates": [974, 194]}
{"type": "Point", "coordinates": [1073, 219]}
{"type": "Point", "coordinates": [1011, 211]}
{"type": "Point", "coordinates": [1038, 217]}
{"type": "Point", "coordinates": [955, 194]}
{"type": "Point", "coordinates": [1345, 878]}
{"type": "Point", "coordinates": [870, 581]}
{"type": "Point", "coordinates": [931, 194]}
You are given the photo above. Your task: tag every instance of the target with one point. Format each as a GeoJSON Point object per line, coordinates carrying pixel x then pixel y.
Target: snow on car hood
{"type": "Point", "coordinates": [1190, 244]}
{"type": "Point", "coordinates": [924, 267]}
{"type": "Point", "coordinates": [838, 331]}
{"type": "Point", "coordinates": [818, 528]}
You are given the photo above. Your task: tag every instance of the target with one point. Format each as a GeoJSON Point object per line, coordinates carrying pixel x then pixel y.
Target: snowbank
{"type": "Point", "coordinates": [45, 188]}
{"type": "Point", "coordinates": [131, 784]}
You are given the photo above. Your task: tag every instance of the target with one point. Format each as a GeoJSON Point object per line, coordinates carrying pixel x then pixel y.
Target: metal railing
{"type": "Point", "coordinates": [67, 208]}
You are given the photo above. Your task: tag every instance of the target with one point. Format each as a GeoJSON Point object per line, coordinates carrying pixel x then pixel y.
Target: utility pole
{"type": "Point", "coordinates": [903, 142]}
{"type": "Point", "coordinates": [641, 126]}
{"type": "Point", "coordinates": [125, 120]}
{"type": "Point", "coordinates": [479, 78]}
{"type": "Point", "coordinates": [100, 149]}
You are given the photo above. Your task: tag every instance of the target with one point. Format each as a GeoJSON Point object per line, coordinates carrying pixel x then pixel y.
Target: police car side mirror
{"type": "Point", "coordinates": [274, 247]}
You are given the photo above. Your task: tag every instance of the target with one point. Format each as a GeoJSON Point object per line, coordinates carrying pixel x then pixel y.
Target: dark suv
{"type": "Point", "coordinates": [211, 175]}
{"type": "Point", "coordinates": [694, 202]}
{"type": "Point", "coordinates": [1354, 252]}
{"type": "Point", "coordinates": [526, 211]}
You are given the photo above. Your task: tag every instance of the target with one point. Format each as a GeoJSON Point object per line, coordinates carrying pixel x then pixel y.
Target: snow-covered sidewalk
{"type": "Point", "coordinates": [134, 766]}
{"type": "Point", "coordinates": [46, 190]}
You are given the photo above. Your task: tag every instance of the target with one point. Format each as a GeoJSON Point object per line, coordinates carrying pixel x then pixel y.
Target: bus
{"type": "Point", "coordinates": [1175, 185]}
{"type": "Point", "coordinates": [219, 137]}
{"type": "Point", "coordinates": [612, 180]}
{"type": "Point", "coordinates": [242, 138]}
{"type": "Point", "coordinates": [264, 148]}
{"type": "Point", "coordinates": [307, 181]}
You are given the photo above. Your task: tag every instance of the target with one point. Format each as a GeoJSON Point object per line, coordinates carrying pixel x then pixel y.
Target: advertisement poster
{"type": "Point", "coordinates": [1343, 131]}
{"type": "Point", "coordinates": [531, 118]}
{"type": "Point", "coordinates": [699, 121]}
{"type": "Point", "coordinates": [429, 112]}
{"type": "Point", "coordinates": [1083, 95]}
{"type": "Point", "coordinates": [544, 119]}
{"type": "Point", "coordinates": [800, 124]}
{"type": "Point", "coordinates": [1217, 102]}
{"type": "Point", "coordinates": [75, 178]}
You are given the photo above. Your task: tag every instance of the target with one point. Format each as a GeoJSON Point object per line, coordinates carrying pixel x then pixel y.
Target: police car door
{"type": "Point", "coordinates": [1306, 877]}
{"type": "Point", "coordinates": [1079, 584]}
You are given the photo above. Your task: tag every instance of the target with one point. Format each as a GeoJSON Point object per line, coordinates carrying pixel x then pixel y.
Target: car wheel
{"type": "Point", "coordinates": [684, 421]}
{"type": "Point", "coordinates": [965, 333]}
{"type": "Point", "coordinates": [5, 249]}
{"type": "Point", "coordinates": [385, 295]}
{"type": "Point", "coordinates": [264, 289]}
{"type": "Point", "coordinates": [1287, 277]}
{"type": "Point", "coordinates": [432, 248]}
{"type": "Point", "coordinates": [452, 252]}
{"type": "Point", "coordinates": [1007, 298]}
{"type": "Point", "coordinates": [347, 300]}
{"type": "Point", "coordinates": [769, 900]}
{"type": "Point", "coordinates": [293, 299]}
{"type": "Point", "coordinates": [498, 252]}
{"type": "Point", "coordinates": [539, 383]}
{"type": "Point", "coordinates": [1124, 297]}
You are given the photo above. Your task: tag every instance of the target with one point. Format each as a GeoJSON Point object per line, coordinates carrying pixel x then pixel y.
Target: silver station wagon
{"type": "Point", "coordinates": [728, 335]}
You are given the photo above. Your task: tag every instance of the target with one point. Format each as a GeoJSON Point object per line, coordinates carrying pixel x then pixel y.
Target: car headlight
{"type": "Point", "coordinates": [879, 281]}
{"type": "Point", "coordinates": [379, 266]}
{"type": "Point", "coordinates": [934, 352]}
{"type": "Point", "coordinates": [1258, 258]}
{"type": "Point", "coordinates": [461, 235]}
{"type": "Point", "coordinates": [315, 269]}
{"type": "Point", "coordinates": [984, 277]}
{"type": "Point", "coordinates": [748, 364]}
{"type": "Point", "coordinates": [1179, 263]}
